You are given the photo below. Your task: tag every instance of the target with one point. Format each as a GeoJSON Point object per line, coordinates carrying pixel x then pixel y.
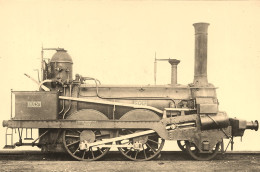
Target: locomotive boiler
{"type": "Point", "coordinates": [86, 119]}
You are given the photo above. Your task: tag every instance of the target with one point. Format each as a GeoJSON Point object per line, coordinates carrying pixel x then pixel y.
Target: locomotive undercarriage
{"type": "Point", "coordinates": [89, 134]}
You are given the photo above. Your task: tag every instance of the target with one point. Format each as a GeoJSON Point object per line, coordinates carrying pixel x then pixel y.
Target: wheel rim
{"type": "Point", "coordinates": [194, 152]}
{"type": "Point", "coordinates": [149, 148]}
{"type": "Point", "coordinates": [71, 140]}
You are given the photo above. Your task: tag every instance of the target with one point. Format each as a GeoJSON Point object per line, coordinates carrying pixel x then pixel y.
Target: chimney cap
{"type": "Point", "coordinates": [201, 28]}
{"type": "Point", "coordinates": [201, 23]}
{"type": "Point", "coordinates": [174, 61]}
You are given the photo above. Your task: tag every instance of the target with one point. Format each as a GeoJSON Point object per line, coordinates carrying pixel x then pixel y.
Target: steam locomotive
{"type": "Point", "coordinates": [87, 120]}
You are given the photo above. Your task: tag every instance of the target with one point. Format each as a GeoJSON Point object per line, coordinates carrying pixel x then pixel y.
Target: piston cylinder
{"type": "Point", "coordinates": [214, 121]}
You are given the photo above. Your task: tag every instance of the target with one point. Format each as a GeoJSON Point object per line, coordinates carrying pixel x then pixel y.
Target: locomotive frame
{"type": "Point", "coordinates": [87, 120]}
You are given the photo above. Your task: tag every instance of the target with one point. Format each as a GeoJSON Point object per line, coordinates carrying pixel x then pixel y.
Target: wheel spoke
{"type": "Point", "coordinates": [131, 132]}
{"type": "Point", "coordinates": [151, 148]}
{"type": "Point", "coordinates": [72, 136]}
{"type": "Point", "coordinates": [100, 150]}
{"type": "Point", "coordinates": [144, 153]}
{"type": "Point", "coordinates": [128, 151]}
{"type": "Point", "coordinates": [74, 131]}
{"type": "Point", "coordinates": [100, 135]}
{"type": "Point", "coordinates": [136, 154]}
{"type": "Point", "coordinates": [153, 134]}
{"type": "Point", "coordinates": [76, 150]}
{"type": "Point", "coordinates": [84, 152]}
{"type": "Point", "coordinates": [153, 141]}
{"type": "Point", "coordinates": [92, 152]}
{"type": "Point", "coordinates": [73, 143]}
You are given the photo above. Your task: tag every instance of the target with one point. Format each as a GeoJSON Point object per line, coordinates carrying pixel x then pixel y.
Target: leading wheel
{"type": "Point", "coordinates": [195, 153]}
{"type": "Point", "coordinates": [141, 148]}
{"type": "Point", "coordinates": [72, 139]}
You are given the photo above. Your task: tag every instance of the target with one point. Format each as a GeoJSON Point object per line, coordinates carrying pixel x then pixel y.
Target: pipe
{"type": "Point", "coordinates": [174, 64]}
{"type": "Point", "coordinates": [201, 41]}
{"type": "Point", "coordinates": [40, 84]}
{"type": "Point", "coordinates": [63, 117]}
{"type": "Point", "coordinates": [43, 86]}
{"type": "Point", "coordinates": [63, 101]}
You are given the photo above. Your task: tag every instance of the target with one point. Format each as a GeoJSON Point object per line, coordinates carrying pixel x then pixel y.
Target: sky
{"type": "Point", "coordinates": [115, 41]}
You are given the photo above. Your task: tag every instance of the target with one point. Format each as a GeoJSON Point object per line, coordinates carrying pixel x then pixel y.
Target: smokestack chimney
{"type": "Point", "coordinates": [174, 64]}
{"type": "Point", "coordinates": [201, 41]}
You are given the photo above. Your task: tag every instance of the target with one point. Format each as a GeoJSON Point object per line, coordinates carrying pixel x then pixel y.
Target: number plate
{"type": "Point", "coordinates": [140, 102]}
{"type": "Point", "coordinates": [34, 104]}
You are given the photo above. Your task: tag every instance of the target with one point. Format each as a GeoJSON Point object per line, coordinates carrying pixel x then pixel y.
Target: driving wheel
{"type": "Point", "coordinates": [73, 139]}
{"type": "Point", "coordinates": [141, 148]}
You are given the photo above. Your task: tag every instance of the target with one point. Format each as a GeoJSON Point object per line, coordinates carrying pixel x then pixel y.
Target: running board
{"type": "Point", "coordinates": [110, 103]}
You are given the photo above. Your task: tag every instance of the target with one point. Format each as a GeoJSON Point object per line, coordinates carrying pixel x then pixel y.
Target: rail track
{"type": "Point", "coordinates": [117, 156]}
{"type": "Point", "coordinates": [114, 161]}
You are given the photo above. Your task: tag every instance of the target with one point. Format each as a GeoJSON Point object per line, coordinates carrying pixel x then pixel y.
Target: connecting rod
{"type": "Point", "coordinates": [88, 145]}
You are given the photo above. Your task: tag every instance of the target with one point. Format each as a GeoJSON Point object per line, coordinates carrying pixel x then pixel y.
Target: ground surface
{"type": "Point", "coordinates": [169, 161]}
